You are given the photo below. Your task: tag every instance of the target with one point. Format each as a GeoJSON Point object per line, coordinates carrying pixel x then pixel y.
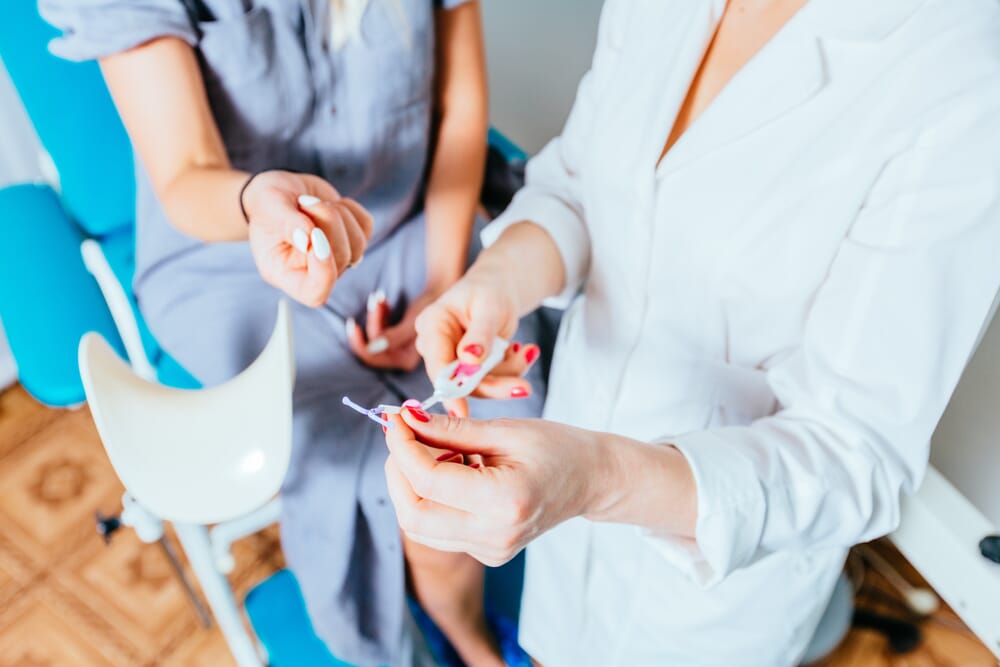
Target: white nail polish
{"type": "Point", "coordinates": [358, 263]}
{"type": "Point", "coordinates": [305, 201]}
{"type": "Point", "coordinates": [321, 246]}
{"type": "Point", "coordinates": [375, 298]}
{"type": "Point", "coordinates": [350, 326]}
{"type": "Point", "coordinates": [300, 240]}
{"type": "Point", "coordinates": [378, 346]}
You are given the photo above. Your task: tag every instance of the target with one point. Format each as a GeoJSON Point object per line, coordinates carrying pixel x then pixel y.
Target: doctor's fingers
{"type": "Point", "coordinates": [446, 528]}
{"type": "Point", "coordinates": [506, 380]}
{"type": "Point", "coordinates": [486, 322]}
{"type": "Point", "coordinates": [438, 331]}
{"type": "Point", "coordinates": [456, 486]}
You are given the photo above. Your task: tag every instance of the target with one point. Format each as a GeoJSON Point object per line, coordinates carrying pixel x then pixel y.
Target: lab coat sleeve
{"type": "Point", "coordinates": [886, 339]}
{"type": "Point", "coordinates": [97, 28]}
{"type": "Point", "coordinates": [552, 197]}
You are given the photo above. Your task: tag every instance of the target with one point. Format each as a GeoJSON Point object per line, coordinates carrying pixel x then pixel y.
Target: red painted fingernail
{"type": "Point", "coordinates": [474, 466]}
{"type": "Point", "coordinates": [516, 347]}
{"type": "Point", "coordinates": [465, 370]}
{"type": "Point", "coordinates": [531, 354]}
{"type": "Point", "coordinates": [474, 350]}
{"type": "Point", "coordinates": [519, 392]}
{"type": "Point", "coordinates": [452, 413]}
{"type": "Point", "coordinates": [385, 429]}
{"type": "Point", "coordinates": [418, 414]}
{"type": "Point", "coordinates": [447, 456]}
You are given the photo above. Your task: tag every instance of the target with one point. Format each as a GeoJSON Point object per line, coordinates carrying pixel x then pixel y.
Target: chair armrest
{"type": "Point", "coordinates": [48, 300]}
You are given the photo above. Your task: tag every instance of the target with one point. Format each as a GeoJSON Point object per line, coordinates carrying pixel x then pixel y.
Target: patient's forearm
{"type": "Point", "coordinates": [160, 95]}
{"type": "Point", "coordinates": [528, 262]}
{"type": "Point", "coordinates": [205, 203]}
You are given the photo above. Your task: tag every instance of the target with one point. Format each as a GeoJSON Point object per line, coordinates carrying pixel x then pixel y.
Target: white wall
{"type": "Point", "coordinates": [966, 445]}
{"type": "Point", "coordinates": [537, 52]}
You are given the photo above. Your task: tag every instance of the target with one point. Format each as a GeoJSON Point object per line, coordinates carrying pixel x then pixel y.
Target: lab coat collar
{"type": "Point", "coordinates": [784, 75]}
{"type": "Point", "coordinates": [859, 20]}
{"type": "Point", "coordinates": [787, 73]}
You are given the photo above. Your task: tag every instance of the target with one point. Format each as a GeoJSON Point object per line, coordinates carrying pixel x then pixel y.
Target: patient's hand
{"type": "Point", "coordinates": [303, 234]}
{"type": "Point", "coordinates": [387, 347]}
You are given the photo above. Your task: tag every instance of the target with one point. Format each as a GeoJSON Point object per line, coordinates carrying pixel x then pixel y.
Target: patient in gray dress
{"type": "Point", "coordinates": [278, 143]}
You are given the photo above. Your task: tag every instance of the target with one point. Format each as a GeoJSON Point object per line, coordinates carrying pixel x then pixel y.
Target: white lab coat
{"type": "Point", "coordinates": [789, 299]}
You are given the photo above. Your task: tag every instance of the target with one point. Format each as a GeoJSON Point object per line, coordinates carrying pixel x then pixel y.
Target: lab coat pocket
{"type": "Point", "coordinates": [258, 85]}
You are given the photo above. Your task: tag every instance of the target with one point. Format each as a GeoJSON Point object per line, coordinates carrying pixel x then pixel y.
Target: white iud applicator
{"type": "Point", "coordinates": [454, 381]}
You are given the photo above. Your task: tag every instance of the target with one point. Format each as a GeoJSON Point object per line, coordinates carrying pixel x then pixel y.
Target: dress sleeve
{"type": "Point", "coordinates": [885, 343]}
{"type": "Point", "coordinates": [449, 4]}
{"type": "Point", "coordinates": [551, 197]}
{"type": "Point", "coordinates": [96, 28]}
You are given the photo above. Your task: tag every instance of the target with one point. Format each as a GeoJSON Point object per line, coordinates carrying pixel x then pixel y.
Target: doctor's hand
{"type": "Point", "coordinates": [462, 325]}
{"type": "Point", "coordinates": [533, 476]}
{"type": "Point", "coordinates": [303, 234]}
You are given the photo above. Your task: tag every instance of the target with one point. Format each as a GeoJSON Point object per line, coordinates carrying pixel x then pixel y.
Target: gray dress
{"type": "Point", "coordinates": [359, 117]}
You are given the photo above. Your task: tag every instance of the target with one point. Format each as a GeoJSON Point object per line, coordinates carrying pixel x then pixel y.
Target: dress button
{"type": "Point", "coordinates": [380, 502]}
{"type": "Point", "coordinates": [339, 172]}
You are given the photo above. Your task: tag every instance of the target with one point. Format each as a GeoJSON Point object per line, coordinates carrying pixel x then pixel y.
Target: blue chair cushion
{"type": "Point", "coordinates": [48, 300]}
{"type": "Point", "coordinates": [278, 615]}
{"type": "Point", "coordinates": [507, 148]}
{"type": "Point", "coordinates": [76, 121]}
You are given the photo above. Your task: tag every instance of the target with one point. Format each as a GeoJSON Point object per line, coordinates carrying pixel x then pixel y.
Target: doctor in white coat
{"type": "Point", "coordinates": [776, 227]}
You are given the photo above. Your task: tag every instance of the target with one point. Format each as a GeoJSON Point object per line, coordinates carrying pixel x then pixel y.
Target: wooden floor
{"type": "Point", "coordinates": [67, 600]}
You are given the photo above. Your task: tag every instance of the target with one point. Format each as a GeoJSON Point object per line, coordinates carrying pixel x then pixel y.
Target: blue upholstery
{"type": "Point", "coordinates": [75, 120]}
{"type": "Point", "coordinates": [48, 300]}
{"type": "Point", "coordinates": [278, 614]}
{"type": "Point", "coordinates": [508, 148]}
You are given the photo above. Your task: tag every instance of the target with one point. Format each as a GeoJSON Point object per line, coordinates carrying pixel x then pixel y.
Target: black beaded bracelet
{"type": "Point", "coordinates": [243, 209]}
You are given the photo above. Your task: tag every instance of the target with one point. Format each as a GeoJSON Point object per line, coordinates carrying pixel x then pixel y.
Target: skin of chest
{"type": "Point", "coordinates": [746, 27]}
